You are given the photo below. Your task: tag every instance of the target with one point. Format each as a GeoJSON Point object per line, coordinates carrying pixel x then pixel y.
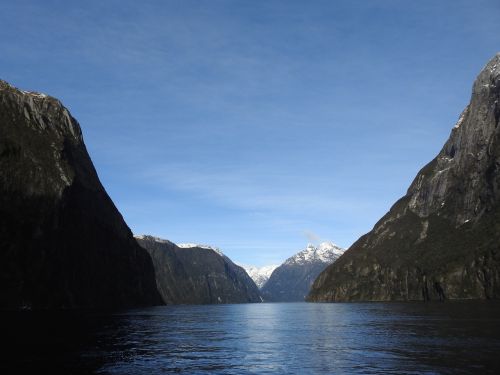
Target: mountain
{"type": "Point", "coordinates": [190, 245]}
{"type": "Point", "coordinates": [63, 243]}
{"type": "Point", "coordinates": [442, 239]}
{"type": "Point", "coordinates": [197, 274]}
{"type": "Point", "coordinates": [260, 275]}
{"type": "Point", "coordinates": [292, 280]}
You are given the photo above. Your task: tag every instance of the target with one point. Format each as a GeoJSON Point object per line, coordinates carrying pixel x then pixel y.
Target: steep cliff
{"type": "Point", "coordinates": [442, 239]}
{"type": "Point", "coordinates": [63, 243]}
{"type": "Point", "coordinates": [292, 280]}
{"type": "Point", "coordinates": [196, 274]}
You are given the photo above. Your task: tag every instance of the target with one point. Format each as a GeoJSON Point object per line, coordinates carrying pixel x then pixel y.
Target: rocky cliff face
{"type": "Point", "coordinates": [196, 274]}
{"type": "Point", "coordinates": [63, 244]}
{"type": "Point", "coordinates": [442, 239]}
{"type": "Point", "coordinates": [291, 281]}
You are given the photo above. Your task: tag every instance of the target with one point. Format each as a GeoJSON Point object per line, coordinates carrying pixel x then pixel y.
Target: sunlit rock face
{"type": "Point", "coordinates": [197, 274]}
{"type": "Point", "coordinates": [442, 239]}
{"type": "Point", "coordinates": [63, 243]}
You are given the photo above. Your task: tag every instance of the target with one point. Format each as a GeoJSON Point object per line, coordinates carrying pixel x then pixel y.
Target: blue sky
{"type": "Point", "coordinates": [254, 126]}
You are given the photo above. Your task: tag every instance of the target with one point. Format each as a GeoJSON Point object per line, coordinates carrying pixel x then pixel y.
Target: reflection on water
{"type": "Point", "coordinates": [293, 338]}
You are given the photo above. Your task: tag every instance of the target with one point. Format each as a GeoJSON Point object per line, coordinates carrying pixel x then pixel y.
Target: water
{"type": "Point", "coordinates": [280, 338]}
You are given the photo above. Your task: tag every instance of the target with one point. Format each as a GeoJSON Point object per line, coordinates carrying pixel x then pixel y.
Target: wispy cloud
{"type": "Point", "coordinates": [251, 190]}
{"type": "Point", "coordinates": [311, 236]}
{"type": "Point", "coordinates": [249, 124]}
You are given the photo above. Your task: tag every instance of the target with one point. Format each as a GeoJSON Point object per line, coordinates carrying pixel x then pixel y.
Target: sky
{"type": "Point", "coordinates": [254, 126]}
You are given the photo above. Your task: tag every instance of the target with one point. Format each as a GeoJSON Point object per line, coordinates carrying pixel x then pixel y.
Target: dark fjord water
{"type": "Point", "coordinates": [286, 338]}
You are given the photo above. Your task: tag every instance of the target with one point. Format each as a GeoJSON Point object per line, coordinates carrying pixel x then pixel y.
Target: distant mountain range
{"type": "Point", "coordinates": [63, 243]}
{"type": "Point", "coordinates": [292, 280]}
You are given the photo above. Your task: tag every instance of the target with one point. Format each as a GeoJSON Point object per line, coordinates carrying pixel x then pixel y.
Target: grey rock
{"type": "Point", "coordinates": [442, 239]}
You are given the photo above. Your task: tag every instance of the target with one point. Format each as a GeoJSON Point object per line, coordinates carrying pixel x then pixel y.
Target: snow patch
{"type": "Point", "coordinates": [190, 245]}
{"type": "Point", "coordinates": [260, 275]}
{"type": "Point", "coordinates": [151, 238]}
{"type": "Point", "coordinates": [460, 120]}
{"type": "Point", "coordinates": [442, 170]}
{"type": "Point", "coordinates": [325, 252]}
{"type": "Point", "coordinates": [187, 245]}
{"type": "Point", "coordinates": [40, 95]}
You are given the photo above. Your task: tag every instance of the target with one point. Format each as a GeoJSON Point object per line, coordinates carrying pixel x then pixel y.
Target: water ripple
{"type": "Point", "coordinates": [294, 338]}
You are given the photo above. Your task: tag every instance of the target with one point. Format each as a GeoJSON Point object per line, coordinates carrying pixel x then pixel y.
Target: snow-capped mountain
{"type": "Point", "coordinates": [326, 252]}
{"type": "Point", "coordinates": [190, 245]}
{"type": "Point", "coordinates": [292, 280]}
{"type": "Point", "coordinates": [259, 275]}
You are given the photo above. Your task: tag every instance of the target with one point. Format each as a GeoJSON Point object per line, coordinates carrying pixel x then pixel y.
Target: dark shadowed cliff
{"type": "Point", "coordinates": [197, 275]}
{"type": "Point", "coordinates": [63, 243]}
{"type": "Point", "coordinates": [442, 239]}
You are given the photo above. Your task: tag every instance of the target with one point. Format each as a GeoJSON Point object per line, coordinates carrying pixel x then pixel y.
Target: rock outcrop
{"type": "Point", "coordinates": [63, 243]}
{"type": "Point", "coordinates": [292, 280]}
{"type": "Point", "coordinates": [442, 239]}
{"type": "Point", "coordinates": [197, 274]}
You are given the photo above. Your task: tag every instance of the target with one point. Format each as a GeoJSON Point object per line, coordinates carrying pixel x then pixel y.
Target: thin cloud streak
{"type": "Point", "coordinates": [252, 190]}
